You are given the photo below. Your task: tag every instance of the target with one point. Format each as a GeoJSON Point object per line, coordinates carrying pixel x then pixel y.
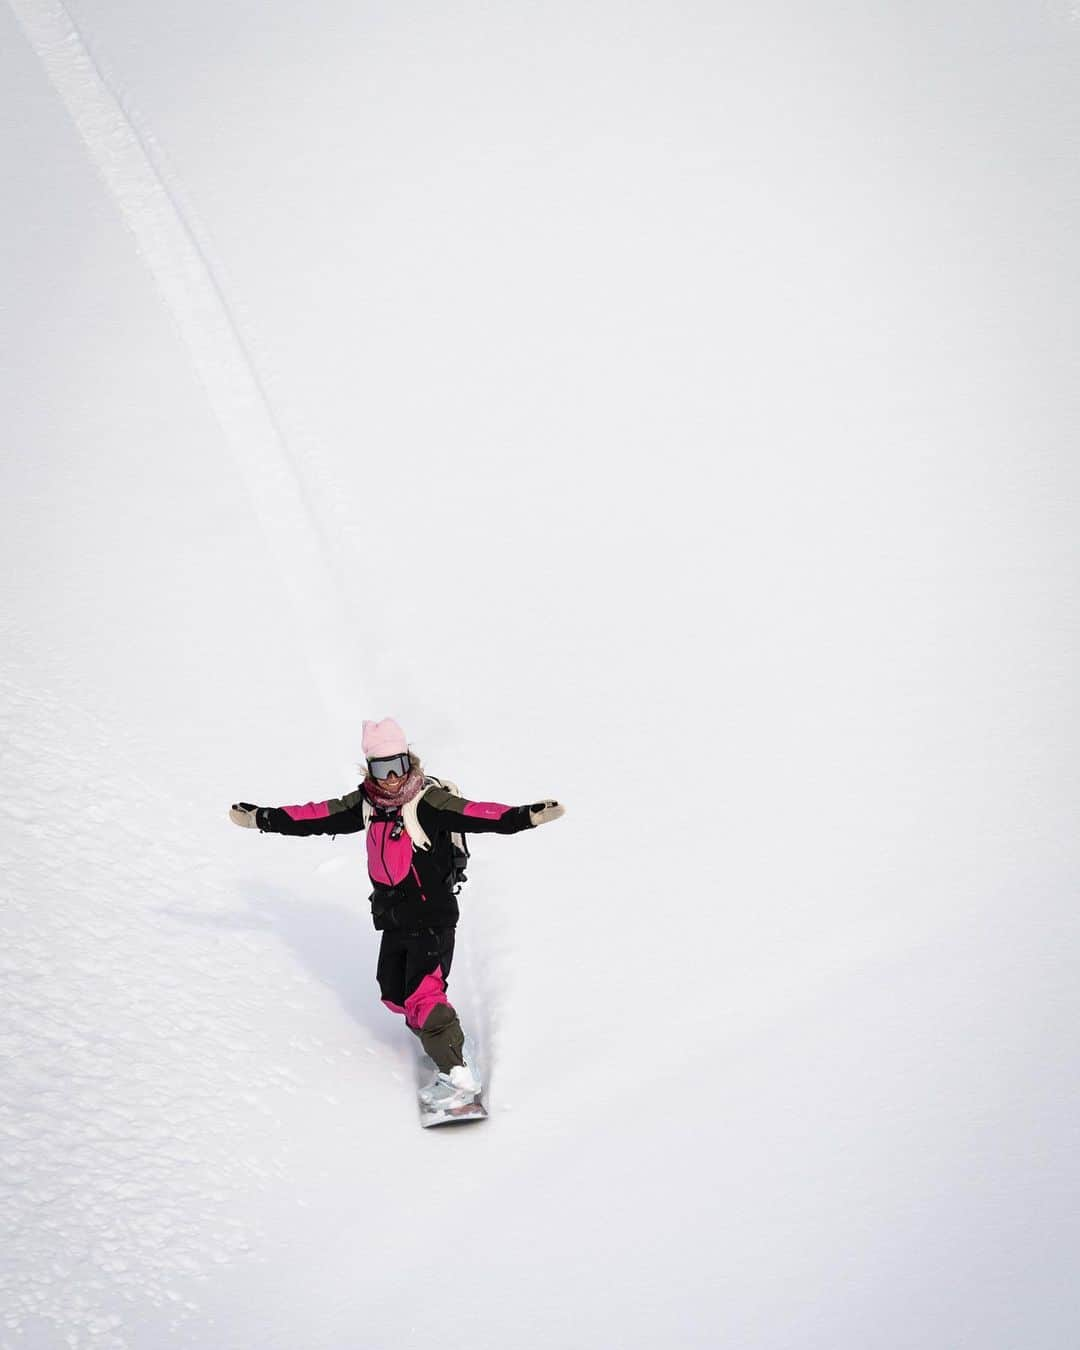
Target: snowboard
{"type": "Point", "coordinates": [434, 1114]}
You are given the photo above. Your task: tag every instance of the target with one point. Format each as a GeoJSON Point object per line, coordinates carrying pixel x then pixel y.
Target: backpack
{"type": "Point", "coordinates": [459, 847]}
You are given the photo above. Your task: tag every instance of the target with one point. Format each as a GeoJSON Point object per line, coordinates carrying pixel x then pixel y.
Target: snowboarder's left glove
{"type": "Point", "coordinates": [541, 812]}
{"type": "Point", "coordinates": [243, 813]}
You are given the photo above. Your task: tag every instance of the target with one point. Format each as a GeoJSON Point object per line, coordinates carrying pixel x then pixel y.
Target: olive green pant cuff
{"type": "Point", "coordinates": [442, 1037]}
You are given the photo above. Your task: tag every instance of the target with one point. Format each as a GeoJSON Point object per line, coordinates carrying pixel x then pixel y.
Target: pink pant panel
{"type": "Point", "coordinates": [312, 811]}
{"type": "Point", "coordinates": [394, 1007]}
{"type": "Point", "coordinates": [430, 991]}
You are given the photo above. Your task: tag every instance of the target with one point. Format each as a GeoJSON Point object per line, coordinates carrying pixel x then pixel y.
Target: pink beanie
{"type": "Point", "coordinates": [384, 738]}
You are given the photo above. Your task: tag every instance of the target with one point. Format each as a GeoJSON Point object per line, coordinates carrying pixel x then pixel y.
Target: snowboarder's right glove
{"type": "Point", "coordinates": [541, 812]}
{"type": "Point", "coordinates": [243, 813]}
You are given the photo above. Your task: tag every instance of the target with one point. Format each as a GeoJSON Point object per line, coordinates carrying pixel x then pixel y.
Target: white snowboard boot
{"type": "Point", "coordinates": [455, 1088]}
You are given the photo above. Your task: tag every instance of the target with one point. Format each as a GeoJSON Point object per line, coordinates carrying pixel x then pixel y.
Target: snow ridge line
{"type": "Point", "coordinates": [174, 250]}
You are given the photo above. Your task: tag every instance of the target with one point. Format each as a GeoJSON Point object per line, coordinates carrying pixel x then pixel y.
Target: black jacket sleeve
{"type": "Point", "coordinates": [338, 815]}
{"type": "Point", "coordinates": [441, 810]}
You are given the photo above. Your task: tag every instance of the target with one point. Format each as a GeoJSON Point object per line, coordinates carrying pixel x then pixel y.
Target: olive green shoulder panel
{"type": "Point", "coordinates": [345, 803]}
{"type": "Point", "coordinates": [444, 800]}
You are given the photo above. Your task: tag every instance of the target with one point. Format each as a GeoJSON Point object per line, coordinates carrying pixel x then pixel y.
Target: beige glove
{"type": "Point", "coordinates": [541, 812]}
{"type": "Point", "coordinates": [243, 813]}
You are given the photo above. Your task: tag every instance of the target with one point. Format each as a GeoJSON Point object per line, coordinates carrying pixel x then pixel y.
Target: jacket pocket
{"type": "Point", "coordinates": [384, 902]}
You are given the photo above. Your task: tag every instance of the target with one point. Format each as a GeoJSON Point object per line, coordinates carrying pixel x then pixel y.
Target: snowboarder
{"type": "Point", "coordinates": [413, 864]}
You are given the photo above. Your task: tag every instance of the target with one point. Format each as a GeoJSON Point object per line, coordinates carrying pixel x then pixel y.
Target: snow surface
{"type": "Point", "coordinates": [670, 409]}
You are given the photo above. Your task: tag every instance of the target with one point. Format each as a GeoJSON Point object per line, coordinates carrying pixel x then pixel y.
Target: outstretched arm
{"type": "Point", "coordinates": [337, 815]}
{"type": "Point", "coordinates": [441, 809]}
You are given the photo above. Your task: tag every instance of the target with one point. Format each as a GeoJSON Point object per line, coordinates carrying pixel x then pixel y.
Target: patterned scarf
{"type": "Point", "coordinates": [391, 798]}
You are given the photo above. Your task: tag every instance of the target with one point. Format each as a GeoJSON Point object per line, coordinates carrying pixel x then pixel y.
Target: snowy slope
{"type": "Point", "coordinates": [669, 410]}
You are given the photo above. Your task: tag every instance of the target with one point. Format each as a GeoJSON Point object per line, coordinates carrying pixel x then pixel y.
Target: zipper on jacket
{"type": "Point", "coordinates": [382, 855]}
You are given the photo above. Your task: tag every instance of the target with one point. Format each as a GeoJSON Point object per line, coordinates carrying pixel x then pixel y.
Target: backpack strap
{"type": "Point", "coordinates": [409, 812]}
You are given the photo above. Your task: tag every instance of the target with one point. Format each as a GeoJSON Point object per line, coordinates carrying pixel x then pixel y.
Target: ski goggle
{"type": "Point", "coordinates": [388, 764]}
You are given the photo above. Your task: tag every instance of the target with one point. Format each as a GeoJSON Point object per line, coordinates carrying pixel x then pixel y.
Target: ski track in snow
{"type": "Point", "coordinates": [174, 248]}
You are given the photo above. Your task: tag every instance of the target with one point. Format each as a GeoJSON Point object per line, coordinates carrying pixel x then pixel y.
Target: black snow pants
{"type": "Point", "coordinates": [412, 973]}
{"type": "Point", "coordinates": [405, 959]}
